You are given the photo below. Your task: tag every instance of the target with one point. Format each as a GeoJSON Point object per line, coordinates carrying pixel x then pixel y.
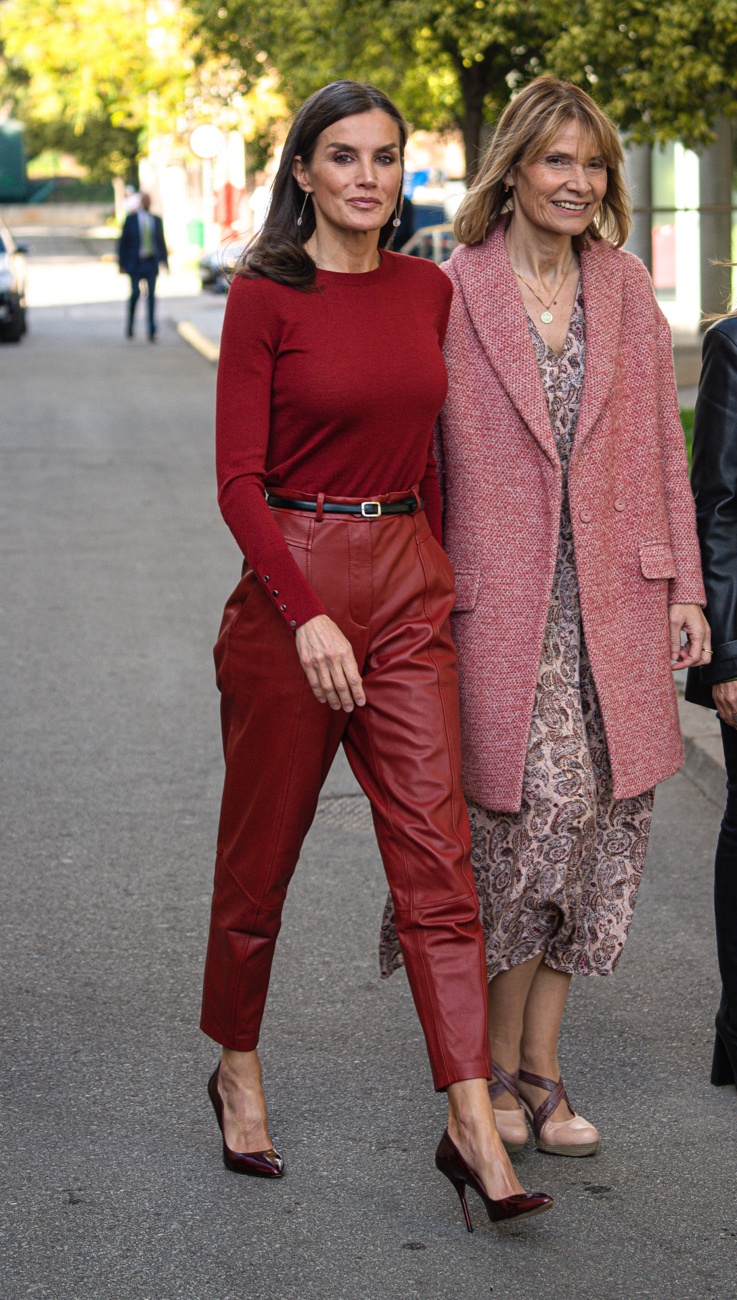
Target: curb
{"type": "Point", "coordinates": [196, 339]}
{"type": "Point", "coordinates": [704, 766]}
{"type": "Point", "coordinates": [702, 742]}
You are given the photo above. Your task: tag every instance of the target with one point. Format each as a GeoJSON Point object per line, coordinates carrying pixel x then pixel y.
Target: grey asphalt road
{"type": "Point", "coordinates": [115, 566]}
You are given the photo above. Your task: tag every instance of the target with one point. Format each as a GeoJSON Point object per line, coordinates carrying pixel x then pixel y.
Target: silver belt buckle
{"type": "Point", "coordinates": [371, 509]}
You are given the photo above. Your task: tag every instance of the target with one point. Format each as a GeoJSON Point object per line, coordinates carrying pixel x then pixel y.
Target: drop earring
{"type": "Point", "coordinates": [304, 205]}
{"type": "Point", "coordinates": [397, 219]}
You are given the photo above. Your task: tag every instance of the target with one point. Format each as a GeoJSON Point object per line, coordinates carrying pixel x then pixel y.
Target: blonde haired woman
{"type": "Point", "coordinates": [570, 524]}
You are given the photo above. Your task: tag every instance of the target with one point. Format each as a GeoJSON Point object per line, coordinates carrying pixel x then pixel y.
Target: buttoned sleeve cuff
{"type": "Point", "coordinates": [287, 589]}
{"type": "Point", "coordinates": [723, 665]}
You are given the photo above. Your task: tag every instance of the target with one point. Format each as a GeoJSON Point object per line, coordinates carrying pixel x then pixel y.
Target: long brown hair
{"type": "Point", "coordinates": [278, 251]}
{"type": "Point", "coordinates": [526, 129]}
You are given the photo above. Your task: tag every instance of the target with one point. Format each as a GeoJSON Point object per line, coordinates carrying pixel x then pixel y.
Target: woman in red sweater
{"type": "Point", "coordinates": [331, 376]}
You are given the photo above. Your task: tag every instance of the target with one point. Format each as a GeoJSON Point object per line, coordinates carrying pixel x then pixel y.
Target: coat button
{"type": "Point", "coordinates": [585, 516]}
{"type": "Point", "coordinates": [266, 577]}
{"type": "Point", "coordinates": [619, 504]}
{"type": "Point", "coordinates": [293, 623]}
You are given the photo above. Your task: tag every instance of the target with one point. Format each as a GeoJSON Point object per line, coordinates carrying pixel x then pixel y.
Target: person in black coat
{"type": "Point", "coordinates": [714, 481]}
{"type": "Point", "coordinates": [142, 249]}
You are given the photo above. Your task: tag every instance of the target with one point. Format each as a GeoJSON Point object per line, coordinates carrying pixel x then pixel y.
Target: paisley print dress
{"type": "Point", "coordinates": [560, 876]}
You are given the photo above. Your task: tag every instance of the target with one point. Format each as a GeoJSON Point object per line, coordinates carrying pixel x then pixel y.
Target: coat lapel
{"type": "Point", "coordinates": [489, 290]}
{"type": "Point", "coordinates": [602, 275]}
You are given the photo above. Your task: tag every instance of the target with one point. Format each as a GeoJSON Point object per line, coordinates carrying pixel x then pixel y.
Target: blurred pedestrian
{"type": "Point", "coordinates": [141, 251]}
{"type": "Point", "coordinates": [331, 376]}
{"type": "Point", "coordinates": [714, 684]}
{"type": "Point", "coordinates": [570, 524]}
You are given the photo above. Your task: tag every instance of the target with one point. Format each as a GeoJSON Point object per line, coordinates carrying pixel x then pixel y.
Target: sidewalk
{"type": "Point", "coordinates": [702, 741]}
{"type": "Point", "coordinates": [115, 567]}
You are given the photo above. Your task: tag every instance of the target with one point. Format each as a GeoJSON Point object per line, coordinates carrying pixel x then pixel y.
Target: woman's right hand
{"type": "Point", "coordinates": [330, 664]}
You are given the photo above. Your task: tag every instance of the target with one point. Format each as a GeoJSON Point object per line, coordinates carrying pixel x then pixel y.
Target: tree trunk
{"type": "Point", "coordinates": [473, 88]}
{"type": "Point", "coordinates": [472, 124]}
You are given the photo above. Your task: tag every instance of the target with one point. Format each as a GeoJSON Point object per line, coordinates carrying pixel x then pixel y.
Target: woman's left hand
{"type": "Point", "coordinates": [697, 648]}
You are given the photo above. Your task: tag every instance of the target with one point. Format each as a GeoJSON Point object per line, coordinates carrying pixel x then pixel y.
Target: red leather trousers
{"type": "Point", "coordinates": [389, 587]}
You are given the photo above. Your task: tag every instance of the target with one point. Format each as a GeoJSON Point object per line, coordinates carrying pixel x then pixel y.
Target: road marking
{"type": "Point", "coordinates": [196, 339]}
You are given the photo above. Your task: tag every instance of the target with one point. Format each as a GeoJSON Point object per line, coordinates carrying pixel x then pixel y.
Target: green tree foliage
{"type": "Point", "coordinates": [91, 75]}
{"type": "Point", "coordinates": [664, 71]}
{"type": "Point", "coordinates": [87, 75]}
{"type": "Point", "coordinates": [449, 64]}
{"type": "Point", "coordinates": [307, 42]}
{"type": "Point", "coordinates": [485, 50]}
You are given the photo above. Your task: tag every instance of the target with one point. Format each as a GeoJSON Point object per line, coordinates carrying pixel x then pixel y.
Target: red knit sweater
{"type": "Point", "coordinates": [333, 391]}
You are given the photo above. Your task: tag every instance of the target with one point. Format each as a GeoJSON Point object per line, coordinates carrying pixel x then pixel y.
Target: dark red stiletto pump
{"type": "Point", "coordinates": [450, 1162]}
{"type": "Point", "coordinates": [259, 1164]}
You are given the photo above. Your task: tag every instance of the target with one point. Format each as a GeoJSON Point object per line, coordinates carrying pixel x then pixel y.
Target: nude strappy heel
{"type": "Point", "coordinates": [568, 1137]}
{"type": "Point", "coordinates": [511, 1124]}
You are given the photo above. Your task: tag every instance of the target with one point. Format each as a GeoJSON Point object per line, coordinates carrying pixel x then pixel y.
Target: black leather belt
{"type": "Point", "coordinates": [368, 509]}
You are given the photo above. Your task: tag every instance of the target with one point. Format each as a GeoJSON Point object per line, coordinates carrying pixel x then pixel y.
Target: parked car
{"type": "Point", "coordinates": [12, 288]}
{"type": "Point", "coordinates": [216, 268]}
{"type": "Point", "coordinates": [436, 243]}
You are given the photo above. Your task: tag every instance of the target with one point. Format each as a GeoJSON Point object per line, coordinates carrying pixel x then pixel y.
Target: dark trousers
{"type": "Point", "coordinates": [148, 270]}
{"type": "Point", "coordinates": [725, 884]}
{"type": "Point", "coordinates": [389, 587]}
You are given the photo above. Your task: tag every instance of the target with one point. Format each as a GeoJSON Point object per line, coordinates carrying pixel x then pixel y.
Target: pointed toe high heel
{"type": "Point", "coordinates": [568, 1137]}
{"type": "Point", "coordinates": [450, 1162]}
{"type": "Point", "coordinates": [511, 1124]}
{"type": "Point", "coordinates": [258, 1164]}
{"type": "Point", "coordinates": [724, 1063]}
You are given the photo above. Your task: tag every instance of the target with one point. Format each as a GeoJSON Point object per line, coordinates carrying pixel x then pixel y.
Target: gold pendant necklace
{"type": "Point", "coordinates": [546, 316]}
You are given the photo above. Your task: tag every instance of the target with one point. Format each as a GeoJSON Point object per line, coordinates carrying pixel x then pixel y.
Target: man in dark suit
{"type": "Point", "coordinates": [140, 253]}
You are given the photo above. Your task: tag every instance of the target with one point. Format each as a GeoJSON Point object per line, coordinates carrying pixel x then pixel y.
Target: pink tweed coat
{"type": "Point", "coordinates": [631, 505]}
